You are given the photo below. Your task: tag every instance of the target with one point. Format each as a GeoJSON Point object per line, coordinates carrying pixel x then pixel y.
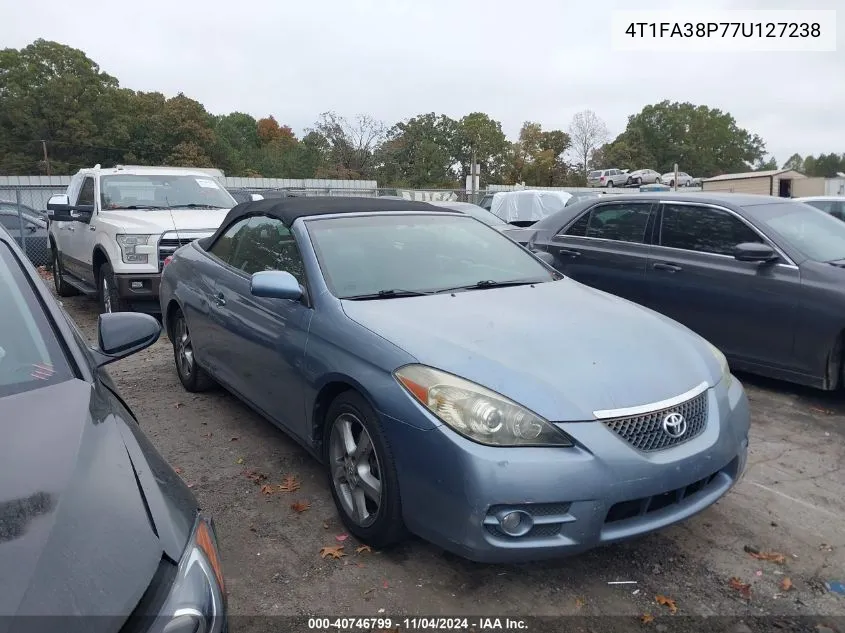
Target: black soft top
{"type": "Point", "coordinates": [289, 209]}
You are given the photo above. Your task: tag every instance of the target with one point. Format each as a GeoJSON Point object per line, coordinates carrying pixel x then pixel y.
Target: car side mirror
{"type": "Point", "coordinates": [121, 334]}
{"type": "Point", "coordinates": [546, 257]}
{"type": "Point", "coordinates": [58, 208]}
{"type": "Point", "coordinates": [754, 252]}
{"type": "Point", "coordinates": [275, 284]}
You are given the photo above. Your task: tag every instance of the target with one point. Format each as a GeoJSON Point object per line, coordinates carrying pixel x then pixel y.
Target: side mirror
{"type": "Point", "coordinates": [255, 197]}
{"type": "Point", "coordinates": [546, 257]}
{"type": "Point", "coordinates": [754, 252]}
{"type": "Point", "coordinates": [275, 284]}
{"type": "Point", "coordinates": [58, 208]}
{"type": "Point", "coordinates": [121, 334]}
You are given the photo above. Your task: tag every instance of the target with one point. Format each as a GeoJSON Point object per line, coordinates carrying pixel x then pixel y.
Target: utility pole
{"type": "Point", "coordinates": [46, 158]}
{"type": "Point", "coordinates": [472, 175]}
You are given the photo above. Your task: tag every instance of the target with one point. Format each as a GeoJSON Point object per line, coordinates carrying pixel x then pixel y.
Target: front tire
{"type": "Point", "coordinates": [362, 472]}
{"type": "Point", "coordinates": [191, 375]}
{"type": "Point", "coordinates": [63, 288]}
{"type": "Point", "coordinates": [110, 301]}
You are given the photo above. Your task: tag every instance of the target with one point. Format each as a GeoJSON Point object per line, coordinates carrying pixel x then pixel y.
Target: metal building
{"type": "Point", "coordinates": [775, 182]}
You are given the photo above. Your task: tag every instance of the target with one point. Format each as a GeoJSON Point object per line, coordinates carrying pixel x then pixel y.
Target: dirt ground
{"type": "Point", "coordinates": [790, 502]}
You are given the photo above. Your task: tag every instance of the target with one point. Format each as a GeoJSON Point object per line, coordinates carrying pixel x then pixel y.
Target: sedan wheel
{"type": "Point", "coordinates": [192, 377]}
{"type": "Point", "coordinates": [362, 472]}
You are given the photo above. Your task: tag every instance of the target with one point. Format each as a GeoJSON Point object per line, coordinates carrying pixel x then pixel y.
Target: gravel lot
{"type": "Point", "coordinates": [791, 502]}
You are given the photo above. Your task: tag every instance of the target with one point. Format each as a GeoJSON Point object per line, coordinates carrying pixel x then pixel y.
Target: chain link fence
{"type": "Point", "coordinates": [23, 214]}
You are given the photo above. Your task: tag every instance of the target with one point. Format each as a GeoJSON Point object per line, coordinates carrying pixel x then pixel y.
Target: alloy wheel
{"type": "Point", "coordinates": [184, 348]}
{"type": "Point", "coordinates": [356, 471]}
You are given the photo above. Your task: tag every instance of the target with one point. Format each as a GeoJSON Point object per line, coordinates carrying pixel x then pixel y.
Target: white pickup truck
{"type": "Point", "coordinates": [112, 230]}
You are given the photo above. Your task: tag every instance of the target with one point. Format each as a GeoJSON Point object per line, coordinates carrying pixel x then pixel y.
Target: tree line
{"type": "Point", "coordinates": [59, 112]}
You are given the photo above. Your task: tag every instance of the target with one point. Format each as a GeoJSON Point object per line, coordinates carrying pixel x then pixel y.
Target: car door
{"type": "Point", "coordinates": [746, 309]}
{"type": "Point", "coordinates": [607, 247]}
{"type": "Point", "coordinates": [265, 338]}
{"type": "Point", "coordinates": [78, 244]}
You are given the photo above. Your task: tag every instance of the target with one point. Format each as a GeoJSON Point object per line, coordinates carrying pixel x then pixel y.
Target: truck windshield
{"type": "Point", "coordinates": [165, 191]}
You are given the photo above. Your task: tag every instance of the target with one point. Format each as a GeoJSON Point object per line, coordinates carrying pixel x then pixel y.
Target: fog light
{"type": "Point", "coordinates": [515, 523]}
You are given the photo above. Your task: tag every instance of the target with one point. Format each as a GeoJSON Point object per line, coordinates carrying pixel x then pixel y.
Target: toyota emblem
{"type": "Point", "coordinates": [674, 425]}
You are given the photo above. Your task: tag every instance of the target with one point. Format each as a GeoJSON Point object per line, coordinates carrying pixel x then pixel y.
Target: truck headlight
{"type": "Point", "coordinates": [196, 602]}
{"type": "Point", "coordinates": [476, 412]}
{"type": "Point", "coordinates": [129, 250]}
{"type": "Point", "coordinates": [723, 365]}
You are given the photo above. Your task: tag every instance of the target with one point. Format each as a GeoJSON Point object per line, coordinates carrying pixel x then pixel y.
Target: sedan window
{"type": "Point", "coordinates": [814, 233]}
{"type": "Point", "coordinates": [267, 244]}
{"type": "Point", "coordinates": [417, 253]}
{"type": "Point", "coordinates": [703, 229]}
{"type": "Point", "coordinates": [30, 354]}
{"type": "Point", "coordinates": [226, 245]}
{"type": "Point", "coordinates": [622, 222]}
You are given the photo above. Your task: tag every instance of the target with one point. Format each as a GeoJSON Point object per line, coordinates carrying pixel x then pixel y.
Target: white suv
{"type": "Point", "coordinates": [112, 230]}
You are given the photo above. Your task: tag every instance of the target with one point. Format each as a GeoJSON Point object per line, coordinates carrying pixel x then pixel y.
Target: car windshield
{"type": "Point", "coordinates": [365, 255]}
{"type": "Point", "coordinates": [163, 191]}
{"type": "Point", "coordinates": [30, 354]}
{"type": "Point", "coordinates": [813, 233]}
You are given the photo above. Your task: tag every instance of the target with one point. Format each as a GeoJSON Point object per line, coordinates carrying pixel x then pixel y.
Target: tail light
{"type": "Point", "coordinates": [167, 260]}
{"type": "Point", "coordinates": [601, 179]}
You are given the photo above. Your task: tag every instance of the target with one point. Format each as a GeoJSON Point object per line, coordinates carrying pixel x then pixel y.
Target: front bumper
{"type": "Point", "coordinates": [140, 290]}
{"type": "Point", "coordinates": [455, 491]}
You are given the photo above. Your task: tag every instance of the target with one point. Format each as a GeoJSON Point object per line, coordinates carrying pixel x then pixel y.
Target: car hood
{"type": "Point", "coordinates": [562, 349]}
{"type": "Point", "coordinates": [75, 534]}
{"type": "Point", "coordinates": [159, 221]}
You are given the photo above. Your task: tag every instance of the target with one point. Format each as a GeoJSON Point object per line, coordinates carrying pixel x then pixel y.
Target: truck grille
{"type": "Point", "coordinates": [645, 432]}
{"type": "Point", "coordinates": [170, 242]}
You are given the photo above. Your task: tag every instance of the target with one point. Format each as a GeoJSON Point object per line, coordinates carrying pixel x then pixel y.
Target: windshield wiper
{"type": "Point", "coordinates": [194, 205]}
{"type": "Point", "coordinates": [489, 283]}
{"type": "Point", "coordinates": [135, 207]}
{"type": "Point", "coordinates": [392, 293]}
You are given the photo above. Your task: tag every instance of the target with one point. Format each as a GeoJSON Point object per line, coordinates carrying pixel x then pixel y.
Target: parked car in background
{"type": "Point", "coordinates": [834, 205]}
{"type": "Point", "coordinates": [111, 231]}
{"type": "Point", "coordinates": [22, 208]}
{"type": "Point", "coordinates": [684, 179]}
{"type": "Point", "coordinates": [97, 532]}
{"type": "Point", "coordinates": [606, 178]}
{"type": "Point", "coordinates": [762, 278]}
{"type": "Point", "coordinates": [525, 207]}
{"type": "Point", "coordinates": [399, 343]}
{"type": "Point", "coordinates": [643, 177]}
{"type": "Point", "coordinates": [33, 238]}
{"type": "Point", "coordinates": [475, 211]}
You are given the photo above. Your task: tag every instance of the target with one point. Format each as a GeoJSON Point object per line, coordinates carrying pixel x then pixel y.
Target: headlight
{"type": "Point", "coordinates": [129, 246]}
{"type": "Point", "coordinates": [723, 364]}
{"type": "Point", "coordinates": [196, 599]}
{"type": "Point", "coordinates": [478, 413]}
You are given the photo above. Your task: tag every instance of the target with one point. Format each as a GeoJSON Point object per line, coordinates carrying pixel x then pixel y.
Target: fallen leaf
{"type": "Point", "coordinates": [267, 489]}
{"type": "Point", "coordinates": [334, 551]}
{"type": "Point", "coordinates": [255, 476]}
{"type": "Point", "coordinates": [384, 584]}
{"type": "Point", "coordinates": [741, 587]}
{"type": "Point", "coordinates": [666, 602]}
{"type": "Point", "coordinates": [646, 618]}
{"type": "Point", "coordinates": [209, 434]}
{"type": "Point", "coordinates": [240, 460]}
{"type": "Point", "coordinates": [177, 405]}
{"type": "Point", "coordinates": [325, 525]}
{"type": "Point", "coordinates": [772, 557]}
{"type": "Point", "coordinates": [340, 538]}
{"type": "Point", "coordinates": [363, 548]}
{"type": "Point", "coordinates": [579, 603]}
{"type": "Point", "coordinates": [289, 484]}
{"type": "Point", "coordinates": [190, 485]}
{"type": "Point", "coordinates": [300, 506]}
{"type": "Point", "coordinates": [785, 584]}
{"type": "Point", "coordinates": [233, 439]}
{"type": "Point", "coordinates": [177, 470]}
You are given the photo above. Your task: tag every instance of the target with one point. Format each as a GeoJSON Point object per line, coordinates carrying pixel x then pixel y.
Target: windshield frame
{"type": "Point", "coordinates": [544, 272]}
{"type": "Point", "coordinates": [63, 364]}
{"type": "Point", "coordinates": [755, 214]}
{"type": "Point", "coordinates": [146, 181]}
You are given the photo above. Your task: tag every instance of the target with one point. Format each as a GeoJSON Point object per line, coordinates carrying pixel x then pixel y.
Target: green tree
{"type": "Point", "coordinates": [418, 152]}
{"type": "Point", "coordinates": [703, 141]}
{"type": "Point", "coordinates": [795, 162]}
{"type": "Point", "coordinates": [52, 92]}
{"type": "Point", "coordinates": [824, 165]}
{"type": "Point", "coordinates": [766, 165]}
{"type": "Point", "coordinates": [537, 157]}
{"type": "Point", "coordinates": [479, 133]}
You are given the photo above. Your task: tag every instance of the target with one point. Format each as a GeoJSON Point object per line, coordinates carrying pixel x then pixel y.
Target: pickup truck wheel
{"type": "Point", "coordinates": [191, 375]}
{"type": "Point", "coordinates": [107, 292]}
{"type": "Point", "coordinates": [63, 288]}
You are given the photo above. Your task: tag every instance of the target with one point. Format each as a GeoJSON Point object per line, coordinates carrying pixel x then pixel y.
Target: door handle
{"type": "Point", "coordinates": [92, 228]}
{"type": "Point", "coordinates": [569, 253]}
{"type": "Point", "coordinates": [219, 300]}
{"type": "Point", "coordinates": [671, 268]}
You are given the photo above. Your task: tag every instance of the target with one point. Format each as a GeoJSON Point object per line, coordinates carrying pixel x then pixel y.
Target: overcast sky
{"type": "Point", "coordinates": [537, 60]}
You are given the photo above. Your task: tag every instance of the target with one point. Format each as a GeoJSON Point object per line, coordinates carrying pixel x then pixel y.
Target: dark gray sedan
{"type": "Point", "coordinates": [761, 278]}
{"type": "Point", "coordinates": [29, 230]}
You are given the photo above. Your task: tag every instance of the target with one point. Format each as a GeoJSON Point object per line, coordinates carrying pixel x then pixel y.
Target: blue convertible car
{"type": "Point", "coordinates": [451, 381]}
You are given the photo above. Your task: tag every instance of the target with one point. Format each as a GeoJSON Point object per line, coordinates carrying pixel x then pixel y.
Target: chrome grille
{"type": "Point", "coordinates": [645, 432]}
{"type": "Point", "coordinates": [166, 247]}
